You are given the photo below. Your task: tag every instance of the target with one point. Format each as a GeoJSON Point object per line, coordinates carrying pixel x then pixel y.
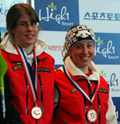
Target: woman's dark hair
{"type": "Point", "coordinates": [16, 12]}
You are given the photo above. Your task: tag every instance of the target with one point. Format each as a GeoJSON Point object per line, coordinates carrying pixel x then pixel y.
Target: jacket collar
{"type": "Point", "coordinates": [7, 45]}
{"type": "Point", "coordinates": [77, 72]}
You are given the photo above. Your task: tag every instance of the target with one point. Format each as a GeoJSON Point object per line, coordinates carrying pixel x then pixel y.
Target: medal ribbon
{"type": "Point", "coordinates": [78, 87]}
{"type": "Point", "coordinates": [32, 78]}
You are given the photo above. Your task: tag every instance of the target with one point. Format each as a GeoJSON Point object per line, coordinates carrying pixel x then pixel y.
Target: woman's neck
{"type": "Point", "coordinates": [84, 69]}
{"type": "Point", "coordinates": [28, 50]}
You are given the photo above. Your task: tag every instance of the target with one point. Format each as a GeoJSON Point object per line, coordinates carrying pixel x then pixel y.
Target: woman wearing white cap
{"type": "Point", "coordinates": [82, 95]}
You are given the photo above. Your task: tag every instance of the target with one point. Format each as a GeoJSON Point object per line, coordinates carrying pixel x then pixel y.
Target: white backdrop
{"type": "Point", "coordinates": [103, 16]}
{"type": "Point", "coordinates": [4, 6]}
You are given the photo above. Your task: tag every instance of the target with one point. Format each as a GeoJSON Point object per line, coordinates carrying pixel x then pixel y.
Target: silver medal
{"type": "Point", "coordinates": [36, 112]}
{"type": "Point", "coordinates": [92, 115]}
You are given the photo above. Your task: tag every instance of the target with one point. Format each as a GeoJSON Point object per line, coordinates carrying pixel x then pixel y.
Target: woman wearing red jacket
{"type": "Point", "coordinates": [29, 81]}
{"type": "Point", "coordinates": [82, 95]}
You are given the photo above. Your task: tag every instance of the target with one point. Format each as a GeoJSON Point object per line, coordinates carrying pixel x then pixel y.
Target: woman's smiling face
{"type": "Point", "coordinates": [25, 37]}
{"type": "Point", "coordinates": [82, 53]}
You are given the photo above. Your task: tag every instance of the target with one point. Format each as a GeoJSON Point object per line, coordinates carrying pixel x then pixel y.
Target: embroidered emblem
{"type": "Point", "coordinates": [73, 90]}
{"type": "Point", "coordinates": [17, 67]}
{"type": "Point", "coordinates": [103, 91]}
{"type": "Point", "coordinates": [43, 69]}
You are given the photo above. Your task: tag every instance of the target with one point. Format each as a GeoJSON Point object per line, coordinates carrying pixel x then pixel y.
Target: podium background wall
{"type": "Point", "coordinates": [57, 16]}
{"type": "Point", "coordinates": [103, 16]}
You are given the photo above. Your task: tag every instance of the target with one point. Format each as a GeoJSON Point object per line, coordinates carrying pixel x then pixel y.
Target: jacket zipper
{"type": "Point", "coordinates": [27, 87]}
{"type": "Point", "coordinates": [27, 94]}
{"type": "Point", "coordinates": [41, 88]}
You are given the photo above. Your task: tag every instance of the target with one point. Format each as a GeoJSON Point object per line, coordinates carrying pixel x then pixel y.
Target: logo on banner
{"type": "Point", "coordinates": [2, 30]}
{"type": "Point", "coordinates": [103, 74]}
{"type": "Point", "coordinates": [57, 16]}
{"type": "Point", "coordinates": [114, 84]}
{"type": "Point", "coordinates": [102, 16]}
{"type": "Point", "coordinates": [4, 6]}
{"type": "Point", "coordinates": [55, 47]}
{"type": "Point", "coordinates": [60, 18]}
{"type": "Point", "coordinates": [2, 35]}
{"type": "Point", "coordinates": [107, 50]}
{"type": "Point", "coordinates": [112, 81]}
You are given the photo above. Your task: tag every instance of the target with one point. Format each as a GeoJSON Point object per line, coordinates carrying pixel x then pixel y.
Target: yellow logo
{"type": "Point", "coordinates": [17, 67]}
{"type": "Point", "coordinates": [73, 90]}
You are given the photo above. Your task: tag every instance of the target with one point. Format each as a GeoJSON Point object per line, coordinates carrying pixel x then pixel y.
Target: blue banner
{"type": "Point", "coordinates": [57, 15]}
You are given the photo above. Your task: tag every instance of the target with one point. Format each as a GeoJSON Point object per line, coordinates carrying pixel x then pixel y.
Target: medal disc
{"type": "Point", "coordinates": [36, 112]}
{"type": "Point", "coordinates": [92, 115]}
